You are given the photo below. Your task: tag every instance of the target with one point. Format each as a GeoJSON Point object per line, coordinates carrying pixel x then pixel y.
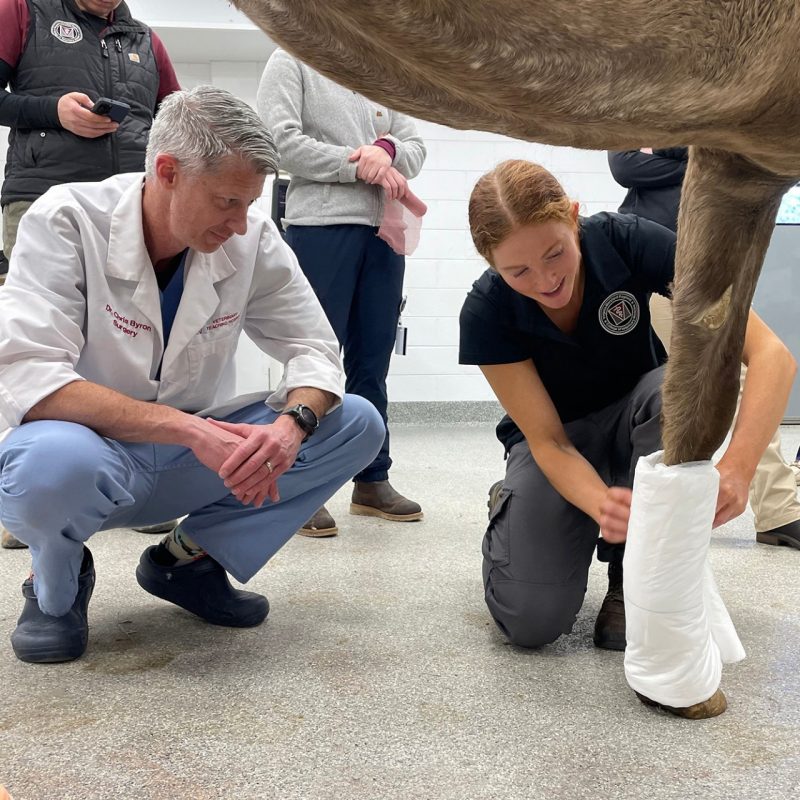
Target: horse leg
{"type": "Point", "coordinates": [727, 215]}
{"type": "Point", "coordinates": [726, 219]}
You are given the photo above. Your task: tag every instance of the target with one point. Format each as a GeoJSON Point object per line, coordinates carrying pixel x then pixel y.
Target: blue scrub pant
{"type": "Point", "coordinates": [60, 483]}
{"type": "Point", "coordinates": [358, 280]}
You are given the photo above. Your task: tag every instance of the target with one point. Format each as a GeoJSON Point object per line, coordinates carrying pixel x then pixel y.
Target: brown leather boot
{"type": "Point", "coordinates": [788, 535]}
{"type": "Point", "coordinates": [320, 526]}
{"type": "Point", "coordinates": [10, 542]}
{"type": "Point", "coordinates": [609, 629]}
{"type": "Point", "coordinates": [379, 499]}
{"type": "Point", "coordinates": [712, 707]}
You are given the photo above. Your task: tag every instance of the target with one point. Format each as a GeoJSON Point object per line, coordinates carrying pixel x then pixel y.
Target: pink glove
{"type": "Point", "coordinates": [401, 223]}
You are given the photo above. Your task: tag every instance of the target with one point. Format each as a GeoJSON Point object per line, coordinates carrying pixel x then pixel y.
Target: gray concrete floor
{"type": "Point", "coordinates": [380, 675]}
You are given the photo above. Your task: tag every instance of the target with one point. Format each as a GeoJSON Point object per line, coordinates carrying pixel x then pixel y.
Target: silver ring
{"type": "Point", "coordinates": [269, 466]}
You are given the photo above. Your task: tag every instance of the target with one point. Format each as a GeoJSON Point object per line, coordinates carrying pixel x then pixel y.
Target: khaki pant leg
{"type": "Point", "coordinates": [661, 318]}
{"type": "Point", "coordinates": [773, 490]}
{"type": "Point", "coordinates": [12, 214]}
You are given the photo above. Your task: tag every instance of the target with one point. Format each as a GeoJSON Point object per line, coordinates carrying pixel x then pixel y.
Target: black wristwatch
{"type": "Point", "coordinates": [305, 418]}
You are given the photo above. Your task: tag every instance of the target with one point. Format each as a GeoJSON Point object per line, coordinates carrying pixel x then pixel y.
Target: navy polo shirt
{"type": "Point", "coordinates": [626, 259]}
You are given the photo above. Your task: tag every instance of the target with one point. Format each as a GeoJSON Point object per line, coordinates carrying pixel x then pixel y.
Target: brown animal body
{"type": "Point", "coordinates": [720, 75]}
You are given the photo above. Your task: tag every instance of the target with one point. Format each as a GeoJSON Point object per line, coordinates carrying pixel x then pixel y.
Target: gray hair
{"type": "Point", "coordinates": [202, 126]}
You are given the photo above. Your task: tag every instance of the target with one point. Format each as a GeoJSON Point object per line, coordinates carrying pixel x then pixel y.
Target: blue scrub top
{"type": "Point", "coordinates": [170, 297]}
{"type": "Point", "coordinates": [626, 259]}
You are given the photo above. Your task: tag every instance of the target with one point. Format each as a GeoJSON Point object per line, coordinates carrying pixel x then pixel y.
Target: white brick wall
{"type": "Point", "coordinates": [440, 273]}
{"type": "Point", "coordinates": [442, 270]}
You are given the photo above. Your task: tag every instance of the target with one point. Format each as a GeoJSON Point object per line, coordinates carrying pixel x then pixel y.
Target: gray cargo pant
{"type": "Point", "coordinates": [538, 547]}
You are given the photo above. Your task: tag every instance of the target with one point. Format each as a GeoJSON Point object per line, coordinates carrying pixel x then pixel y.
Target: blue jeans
{"type": "Point", "coordinates": [358, 280]}
{"type": "Point", "coordinates": [61, 482]}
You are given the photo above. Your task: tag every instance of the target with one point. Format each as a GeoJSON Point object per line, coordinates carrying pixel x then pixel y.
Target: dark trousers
{"type": "Point", "coordinates": [538, 547]}
{"type": "Point", "coordinates": [358, 279]}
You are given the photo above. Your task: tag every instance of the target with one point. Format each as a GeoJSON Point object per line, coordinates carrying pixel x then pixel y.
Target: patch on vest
{"type": "Point", "coordinates": [67, 32]}
{"type": "Point", "coordinates": [619, 313]}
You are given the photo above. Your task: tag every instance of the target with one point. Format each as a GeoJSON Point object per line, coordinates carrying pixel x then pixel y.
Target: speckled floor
{"type": "Point", "coordinates": [380, 675]}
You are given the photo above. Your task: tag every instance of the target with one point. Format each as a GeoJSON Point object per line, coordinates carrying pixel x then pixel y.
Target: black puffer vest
{"type": "Point", "coordinates": [63, 53]}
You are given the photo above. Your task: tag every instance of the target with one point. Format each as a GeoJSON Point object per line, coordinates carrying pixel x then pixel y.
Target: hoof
{"type": "Point", "coordinates": [712, 707]}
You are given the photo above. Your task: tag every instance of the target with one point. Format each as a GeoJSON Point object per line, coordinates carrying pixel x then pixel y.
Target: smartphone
{"type": "Point", "coordinates": [115, 109]}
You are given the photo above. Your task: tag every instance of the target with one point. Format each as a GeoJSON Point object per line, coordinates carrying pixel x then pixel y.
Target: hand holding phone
{"type": "Point", "coordinates": [115, 109]}
{"type": "Point", "coordinates": [74, 114]}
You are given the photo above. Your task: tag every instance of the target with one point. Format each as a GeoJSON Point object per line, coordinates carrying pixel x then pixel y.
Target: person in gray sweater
{"type": "Point", "coordinates": [346, 156]}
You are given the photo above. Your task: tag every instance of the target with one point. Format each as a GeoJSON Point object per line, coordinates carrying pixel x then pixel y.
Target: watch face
{"type": "Point", "coordinates": [305, 418]}
{"type": "Point", "coordinates": [309, 417]}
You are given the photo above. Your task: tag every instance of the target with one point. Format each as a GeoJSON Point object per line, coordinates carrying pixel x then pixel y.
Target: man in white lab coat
{"type": "Point", "coordinates": [118, 327]}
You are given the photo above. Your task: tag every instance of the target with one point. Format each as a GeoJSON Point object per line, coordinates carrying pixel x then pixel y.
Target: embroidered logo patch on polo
{"type": "Point", "coordinates": [67, 32]}
{"type": "Point", "coordinates": [619, 313]}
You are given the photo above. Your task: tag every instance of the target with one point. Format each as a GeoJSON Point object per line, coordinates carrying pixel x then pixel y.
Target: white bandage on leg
{"type": "Point", "coordinates": [677, 628]}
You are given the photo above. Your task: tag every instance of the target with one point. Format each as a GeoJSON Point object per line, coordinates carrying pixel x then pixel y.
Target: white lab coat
{"type": "Point", "coordinates": [82, 302]}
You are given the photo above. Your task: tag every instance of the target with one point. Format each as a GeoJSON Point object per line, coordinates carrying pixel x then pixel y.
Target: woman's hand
{"type": "Point", "coordinates": [615, 511]}
{"type": "Point", "coordinates": [732, 495]}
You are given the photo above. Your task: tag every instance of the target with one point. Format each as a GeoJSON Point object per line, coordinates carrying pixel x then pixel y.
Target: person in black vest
{"type": "Point", "coordinates": [653, 179]}
{"type": "Point", "coordinates": [560, 327]}
{"type": "Point", "coordinates": [58, 57]}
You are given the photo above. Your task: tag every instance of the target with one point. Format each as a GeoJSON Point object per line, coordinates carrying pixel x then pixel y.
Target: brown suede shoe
{"type": "Point", "coordinates": [10, 542]}
{"type": "Point", "coordinates": [712, 707]}
{"type": "Point", "coordinates": [379, 499]}
{"type": "Point", "coordinates": [609, 629]}
{"type": "Point", "coordinates": [320, 526]}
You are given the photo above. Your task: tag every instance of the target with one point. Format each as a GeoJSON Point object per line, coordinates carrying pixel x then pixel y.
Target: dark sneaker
{"type": "Point", "coordinates": [202, 587]}
{"type": "Point", "coordinates": [788, 535]}
{"type": "Point", "coordinates": [42, 639]}
{"type": "Point", "coordinates": [494, 495]}
{"type": "Point", "coordinates": [10, 542]}
{"type": "Point", "coordinates": [320, 525]}
{"type": "Point", "coordinates": [379, 499]}
{"type": "Point", "coordinates": [159, 527]}
{"type": "Point", "coordinates": [609, 629]}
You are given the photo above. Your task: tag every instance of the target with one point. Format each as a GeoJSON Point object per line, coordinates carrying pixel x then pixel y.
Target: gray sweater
{"type": "Point", "coordinates": [317, 124]}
